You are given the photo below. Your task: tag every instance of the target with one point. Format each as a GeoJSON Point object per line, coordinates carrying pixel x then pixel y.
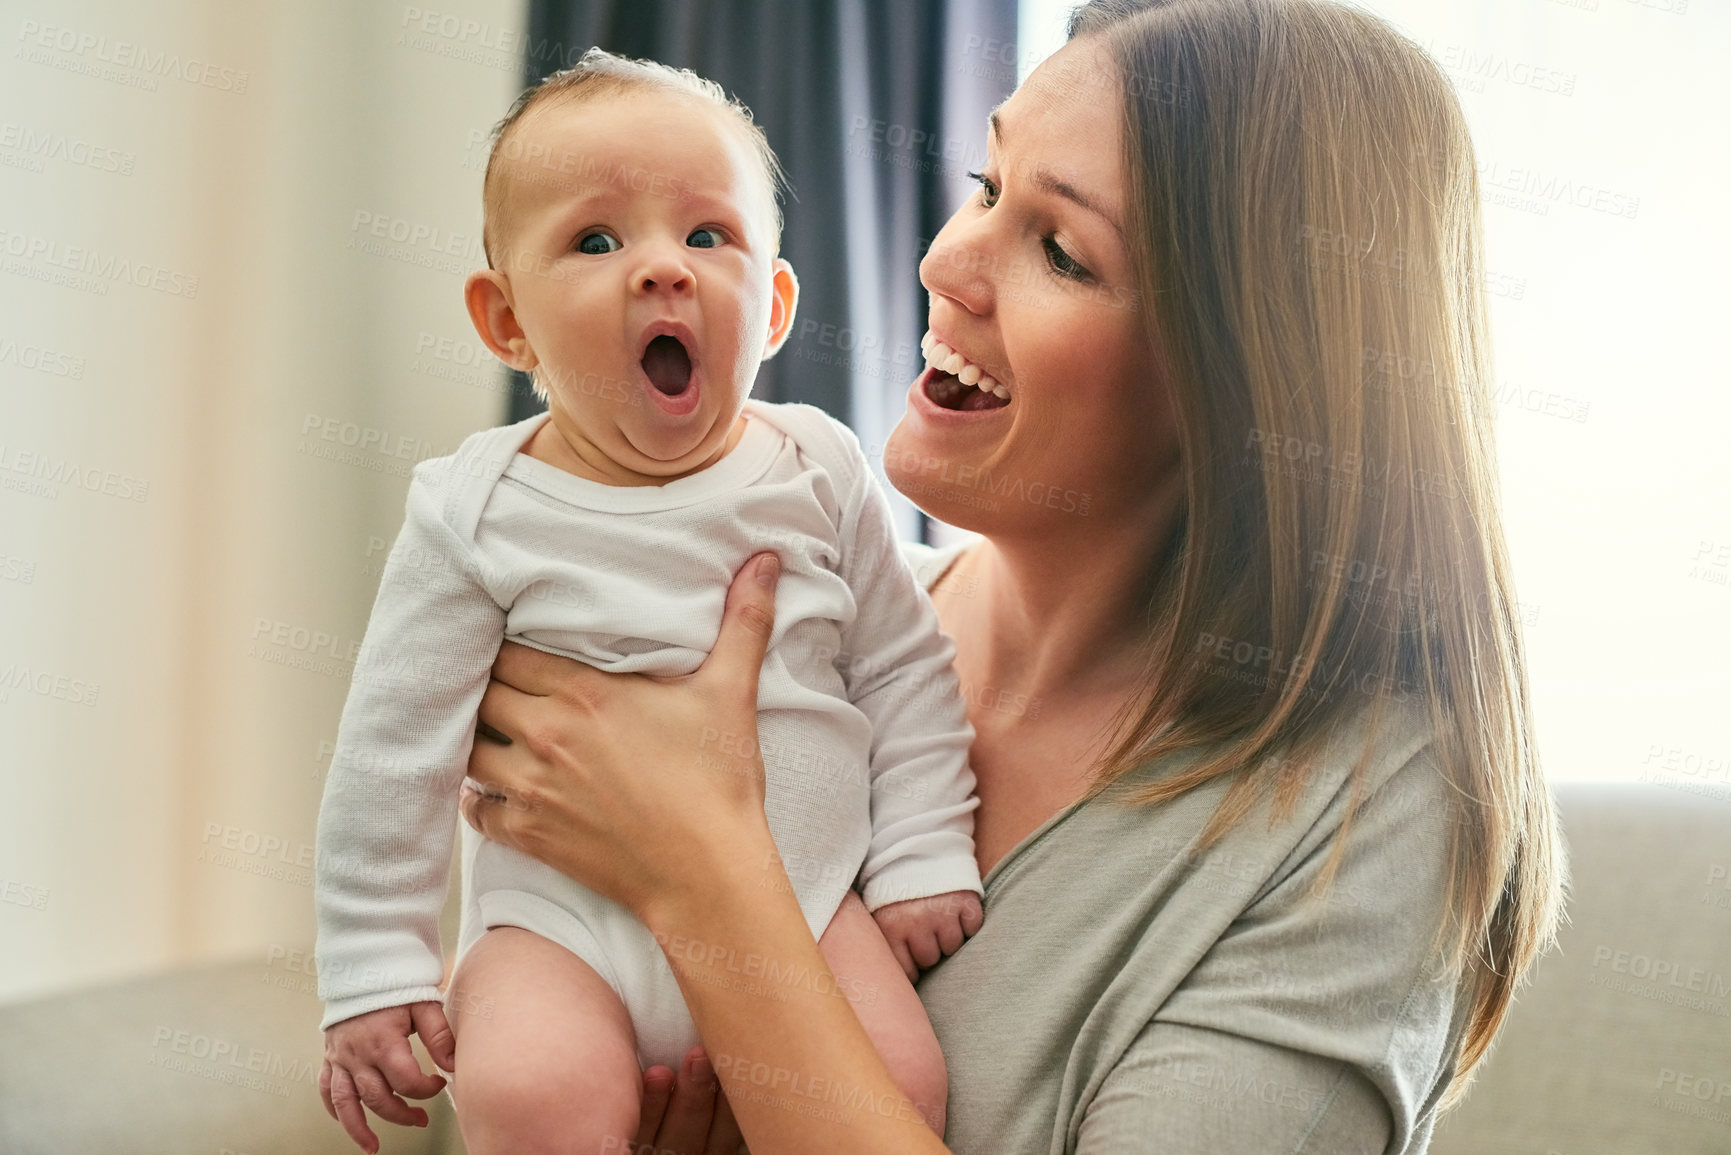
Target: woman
{"type": "Point", "coordinates": [1265, 845]}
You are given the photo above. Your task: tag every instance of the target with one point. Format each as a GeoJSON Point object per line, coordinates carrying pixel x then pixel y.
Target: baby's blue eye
{"type": "Point", "coordinates": [703, 239]}
{"type": "Point", "coordinates": [596, 244]}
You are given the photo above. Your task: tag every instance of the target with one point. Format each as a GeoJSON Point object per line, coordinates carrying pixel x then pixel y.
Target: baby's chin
{"type": "Point", "coordinates": [642, 439]}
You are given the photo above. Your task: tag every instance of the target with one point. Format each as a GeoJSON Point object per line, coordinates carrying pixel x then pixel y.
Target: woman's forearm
{"type": "Point", "coordinates": [798, 1068]}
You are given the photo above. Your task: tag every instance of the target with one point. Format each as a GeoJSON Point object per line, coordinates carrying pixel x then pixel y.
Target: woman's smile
{"type": "Point", "coordinates": [958, 382]}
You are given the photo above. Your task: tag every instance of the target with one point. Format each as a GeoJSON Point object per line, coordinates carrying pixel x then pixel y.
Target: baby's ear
{"type": "Point", "coordinates": [783, 301]}
{"type": "Point", "coordinates": [487, 294]}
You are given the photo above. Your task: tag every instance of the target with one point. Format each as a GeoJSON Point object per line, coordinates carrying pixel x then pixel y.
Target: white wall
{"type": "Point", "coordinates": [176, 416]}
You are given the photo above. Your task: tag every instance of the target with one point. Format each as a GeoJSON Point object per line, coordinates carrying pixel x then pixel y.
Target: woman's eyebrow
{"type": "Point", "coordinates": [1044, 178]}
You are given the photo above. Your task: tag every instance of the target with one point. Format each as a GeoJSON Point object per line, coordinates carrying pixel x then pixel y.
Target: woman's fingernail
{"type": "Point", "coordinates": [700, 1067]}
{"type": "Point", "coordinates": [768, 569]}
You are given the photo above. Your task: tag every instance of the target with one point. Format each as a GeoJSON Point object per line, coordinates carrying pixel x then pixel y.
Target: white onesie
{"type": "Point", "coordinates": [863, 731]}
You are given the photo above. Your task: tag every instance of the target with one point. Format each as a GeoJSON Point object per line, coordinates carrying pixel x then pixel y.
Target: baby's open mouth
{"type": "Point", "coordinates": [668, 365]}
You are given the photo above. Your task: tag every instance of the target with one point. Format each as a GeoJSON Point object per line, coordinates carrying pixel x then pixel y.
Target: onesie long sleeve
{"type": "Point", "coordinates": [863, 732]}
{"type": "Point", "coordinates": [390, 805]}
{"type": "Point", "coordinates": [898, 668]}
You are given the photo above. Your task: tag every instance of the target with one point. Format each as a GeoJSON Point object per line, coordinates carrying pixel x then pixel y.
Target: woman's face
{"type": "Point", "coordinates": [1032, 286]}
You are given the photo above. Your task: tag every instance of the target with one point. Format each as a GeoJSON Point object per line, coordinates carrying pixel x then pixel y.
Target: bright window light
{"type": "Point", "coordinates": [1600, 129]}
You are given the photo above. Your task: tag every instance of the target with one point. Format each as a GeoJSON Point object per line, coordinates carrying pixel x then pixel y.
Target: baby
{"type": "Point", "coordinates": [631, 232]}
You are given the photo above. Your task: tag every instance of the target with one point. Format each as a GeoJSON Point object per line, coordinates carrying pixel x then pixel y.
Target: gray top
{"type": "Point", "coordinates": [1128, 994]}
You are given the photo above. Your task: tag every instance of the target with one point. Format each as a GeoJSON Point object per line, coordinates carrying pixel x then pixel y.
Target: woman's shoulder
{"type": "Point", "coordinates": [1388, 746]}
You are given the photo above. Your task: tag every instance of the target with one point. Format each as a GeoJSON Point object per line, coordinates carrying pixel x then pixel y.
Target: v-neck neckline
{"type": "Point", "coordinates": [1010, 856]}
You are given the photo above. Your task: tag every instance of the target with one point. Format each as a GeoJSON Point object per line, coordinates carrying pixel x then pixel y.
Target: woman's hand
{"type": "Point", "coordinates": [687, 1115]}
{"type": "Point", "coordinates": [636, 786]}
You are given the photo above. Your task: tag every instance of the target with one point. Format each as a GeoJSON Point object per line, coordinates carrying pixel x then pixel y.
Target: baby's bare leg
{"type": "Point", "coordinates": [887, 1007]}
{"type": "Point", "coordinates": [546, 1056]}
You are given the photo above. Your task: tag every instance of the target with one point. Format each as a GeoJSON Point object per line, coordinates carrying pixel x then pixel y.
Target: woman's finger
{"type": "Point", "coordinates": [532, 671]}
{"type": "Point", "coordinates": [685, 1128]}
{"type": "Point", "coordinates": [725, 1137]}
{"type": "Point", "coordinates": [472, 805]}
{"type": "Point", "coordinates": [505, 709]}
{"type": "Point", "coordinates": [657, 1089]}
{"type": "Point", "coordinates": [746, 625]}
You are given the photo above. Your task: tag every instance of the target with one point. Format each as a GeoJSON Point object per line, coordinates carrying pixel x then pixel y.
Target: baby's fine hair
{"type": "Point", "coordinates": [599, 74]}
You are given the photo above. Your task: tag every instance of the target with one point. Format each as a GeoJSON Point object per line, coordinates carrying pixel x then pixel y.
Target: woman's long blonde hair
{"type": "Point", "coordinates": [1304, 211]}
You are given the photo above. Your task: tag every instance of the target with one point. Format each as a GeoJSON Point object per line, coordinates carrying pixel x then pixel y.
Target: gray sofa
{"type": "Point", "coordinates": [1621, 1045]}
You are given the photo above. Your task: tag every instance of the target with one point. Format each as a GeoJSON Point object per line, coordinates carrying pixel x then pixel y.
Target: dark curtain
{"type": "Point", "coordinates": [877, 109]}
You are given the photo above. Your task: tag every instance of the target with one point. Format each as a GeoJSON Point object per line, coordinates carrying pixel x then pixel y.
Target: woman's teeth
{"type": "Point", "coordinates": [946, 360]}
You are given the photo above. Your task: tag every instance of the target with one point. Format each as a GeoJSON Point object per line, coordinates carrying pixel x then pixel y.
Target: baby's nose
{"type": "Point", "coordinates": [664, 272]}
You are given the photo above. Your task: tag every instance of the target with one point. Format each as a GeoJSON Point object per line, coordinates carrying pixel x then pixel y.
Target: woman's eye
{"type": "Point", "coordinates": [596, 244]}
{"type": "Point", "coordinates": [703, 239]}
{"type": "Point", "coordinates": [988, 190]}
{"type": "Point", "coordinates": [1063, 263]}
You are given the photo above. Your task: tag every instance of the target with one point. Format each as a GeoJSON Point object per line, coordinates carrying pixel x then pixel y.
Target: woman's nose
{"type": "Point", "coordinates": [959, 265]}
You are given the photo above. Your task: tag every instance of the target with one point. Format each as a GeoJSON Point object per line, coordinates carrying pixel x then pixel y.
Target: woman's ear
{"type": "Point", "coordinates": [487, 294]}
{"type": "Point", "coordinates": [783, 301]}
